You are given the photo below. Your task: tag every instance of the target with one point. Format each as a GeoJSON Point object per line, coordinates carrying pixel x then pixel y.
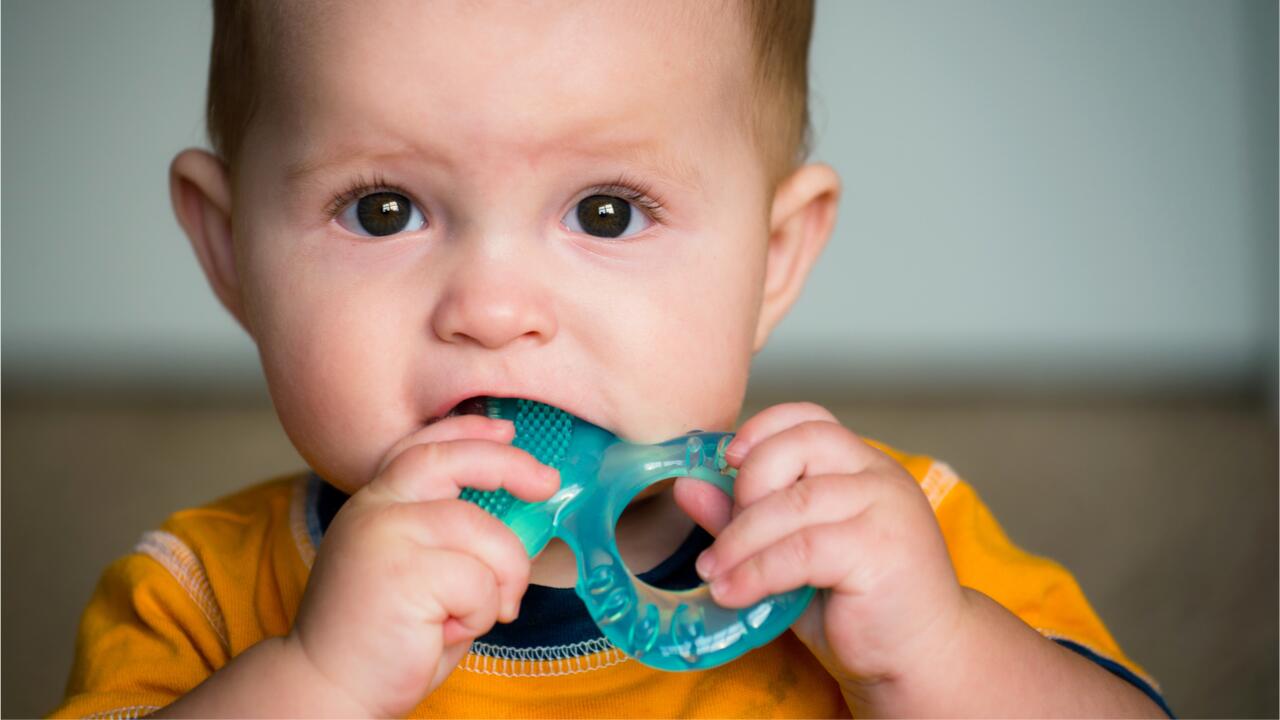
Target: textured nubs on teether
{"type": "Point", "coordinates": [494, 502]}
{"type": "Point", "coordinates": [541, 430]}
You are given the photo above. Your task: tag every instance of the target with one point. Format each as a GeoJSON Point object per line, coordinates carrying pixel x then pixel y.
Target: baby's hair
{"type": "Point", "coordinates": [778, 111]}
{"type": "Point", "coordinates": [779, 108]}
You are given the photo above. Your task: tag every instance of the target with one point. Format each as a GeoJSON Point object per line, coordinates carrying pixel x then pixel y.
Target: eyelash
{"type": "Point", "coordinates": [623, 187]}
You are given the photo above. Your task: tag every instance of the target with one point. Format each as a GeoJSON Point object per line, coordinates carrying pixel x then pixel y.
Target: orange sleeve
{"type": "Point", "coordinates": [1042, 593]}
{"type": "Point", "coordinates": [1038, 590]}
{"type": "Point", "coordinates": [148, 635]}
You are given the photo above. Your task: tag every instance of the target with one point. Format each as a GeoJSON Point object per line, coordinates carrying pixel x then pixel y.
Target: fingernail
{"type": "Point", "coordinates": [552, 475]}
{"type": "Point", "coordinates": [719, 587]}
{"type": "Point", "coordinates": [705, 565]}
{"type": "Point", "coordinates": [734, 451]}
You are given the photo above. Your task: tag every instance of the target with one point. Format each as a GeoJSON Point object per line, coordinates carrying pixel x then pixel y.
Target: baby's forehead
{"type": "Point", "coordinates": [598, 45]}
{"type": "Point", "coordinates": [497, 76]}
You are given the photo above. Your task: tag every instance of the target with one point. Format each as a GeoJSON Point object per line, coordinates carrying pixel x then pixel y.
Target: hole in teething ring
{"type": "Point", "coordinates": [655, 534]}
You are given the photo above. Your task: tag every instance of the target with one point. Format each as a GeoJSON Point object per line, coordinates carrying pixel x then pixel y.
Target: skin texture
{"type": "Point", "coordinates": [495, 120]}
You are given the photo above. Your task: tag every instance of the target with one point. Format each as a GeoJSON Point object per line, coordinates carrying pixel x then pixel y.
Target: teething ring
{"type": "Point", "coordinates": [600, 475]}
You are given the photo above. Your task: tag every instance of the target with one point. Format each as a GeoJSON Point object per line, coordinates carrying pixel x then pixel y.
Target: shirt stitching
{"type": "Point", "coordinates": [174, 555]}
{"type": "Point", "coordinates": [124, 713]}
{"type": "Point", "coordinates": [545, 661]}
{"type": "Point", "coordinates": [938, 482]}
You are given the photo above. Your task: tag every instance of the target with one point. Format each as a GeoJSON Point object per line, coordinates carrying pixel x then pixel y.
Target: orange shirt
{"type": "Point", "coordinates": [215, 580]}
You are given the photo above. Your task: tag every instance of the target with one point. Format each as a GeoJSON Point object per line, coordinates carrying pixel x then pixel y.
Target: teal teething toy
{"type": "Point", "coordinates": [599, 475]}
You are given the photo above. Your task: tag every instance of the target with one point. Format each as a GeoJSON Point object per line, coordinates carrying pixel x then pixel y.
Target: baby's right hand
{"type": "Point", "coordinates": [408, 575]}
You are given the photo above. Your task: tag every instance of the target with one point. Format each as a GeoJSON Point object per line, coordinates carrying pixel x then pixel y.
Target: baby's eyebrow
{"type": "Point", "coordinates": [653, 161]}
{"type": "Point", "coordinates": [645, 156]}
{"type": "Point", "coordinates": [341, 155]}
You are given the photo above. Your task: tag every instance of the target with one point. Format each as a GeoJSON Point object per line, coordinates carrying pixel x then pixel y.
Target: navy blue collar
{"type": "Point", "coordinates": [549, 616]}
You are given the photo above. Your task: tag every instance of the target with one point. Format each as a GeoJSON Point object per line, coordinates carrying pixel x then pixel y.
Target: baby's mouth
{"type": "Point", "coordinates": [477, 405]}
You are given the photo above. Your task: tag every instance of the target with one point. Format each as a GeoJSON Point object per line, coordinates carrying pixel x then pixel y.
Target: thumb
{"type": "Point", "coordinates": [706, 504]}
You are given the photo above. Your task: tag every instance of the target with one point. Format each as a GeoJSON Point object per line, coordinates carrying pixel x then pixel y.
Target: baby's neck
{"type": "Point", "coordinates": [648, 533]}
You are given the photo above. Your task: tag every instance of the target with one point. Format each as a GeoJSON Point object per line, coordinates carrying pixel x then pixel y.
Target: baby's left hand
{"type": "Point", "coordinates": [815, 505]}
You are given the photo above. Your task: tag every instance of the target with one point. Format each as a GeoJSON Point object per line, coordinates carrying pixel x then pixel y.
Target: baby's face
{"type": "Point", "coordinates": [501, 237]}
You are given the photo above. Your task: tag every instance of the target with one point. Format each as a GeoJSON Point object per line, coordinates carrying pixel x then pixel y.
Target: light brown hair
{"type": "Point", "coordinates": [777, 114]}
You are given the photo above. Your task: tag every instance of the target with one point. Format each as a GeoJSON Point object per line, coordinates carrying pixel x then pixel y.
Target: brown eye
{"type": "Point", "coordinates": [380, 214]}
{"type": "Point", "coordinates": [605, 216]}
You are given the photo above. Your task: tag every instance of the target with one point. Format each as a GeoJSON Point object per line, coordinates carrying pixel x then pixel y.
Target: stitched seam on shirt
{"type": "Point", "coordinates": [938, 482]}
{"type": "Point", "coordinates": [544, 661]}
{"type": "Point", "coordinates": [124, 713]}
{"type": "Point", "coordinates": [298, 508]}
{"type": "Point", "coordinates": [1052, 635]}
{"type": "Point", "coordinates": [174, 555]}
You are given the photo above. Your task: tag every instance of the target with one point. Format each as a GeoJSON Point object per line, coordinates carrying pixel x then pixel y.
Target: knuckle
{"type": "Point", "coordinates": [813, 409]}
{"type": "Point", "coordinates": [399, 567]}
{"type": "Point", "coordinates": [812, 431]}
{"type": "Point", "coordinates": [889, 482]}
{"type": "Point", "coordinates": [483, 576]}
{"type": "Point", "coordinates": [878, 458]}
{"type": "Point", "coordinates": [427, 453]}
{"type": "Point", "coordinates": [463, 523]}
{"type": "Point", "coordinates": [484, 533]}
{"type": "Point", "coordinates": [798, 550]}
{"type": "Point", "coordinates": [409, 460]}
{"type": "Point", "coordinates": [408, 454]}
{"type": "Point", "coordinates": [751, 571]}
{"type": "Point", "coordinates": [468, 519]}
{"type": "Point", "coordinates": [469, 574]}
{"type": "Point", "coordinates": [800, 498]}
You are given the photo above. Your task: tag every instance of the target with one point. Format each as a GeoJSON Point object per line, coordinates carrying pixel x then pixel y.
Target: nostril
{"type": "Point", "coordinates": [538, 335]}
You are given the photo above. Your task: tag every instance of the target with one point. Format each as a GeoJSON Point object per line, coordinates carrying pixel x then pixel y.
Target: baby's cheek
{"type": "Point", "coordinates": [336, 404]}
{"type": "Point", "coordinates": [325, 432]}
{"type": "Point", "coordinates": [693, 375]}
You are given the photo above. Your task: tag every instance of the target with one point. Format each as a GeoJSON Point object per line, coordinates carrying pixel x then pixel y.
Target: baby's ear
{"type": "Point", "coordinates": [803, 214]}
{"type": "Point", "coordinates": [200, 189]}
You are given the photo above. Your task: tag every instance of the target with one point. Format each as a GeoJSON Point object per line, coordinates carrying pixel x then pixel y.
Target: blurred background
{"type": "Point", "coordinates": [1054, 267]}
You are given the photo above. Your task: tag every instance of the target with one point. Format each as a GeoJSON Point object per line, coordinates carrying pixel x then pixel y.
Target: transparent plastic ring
{"type": "Point", "coordinates": [600, 474]}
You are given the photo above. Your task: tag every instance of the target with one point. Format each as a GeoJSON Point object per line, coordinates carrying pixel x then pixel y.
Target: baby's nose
{"type": "Point", "coordinates": [492, 309]}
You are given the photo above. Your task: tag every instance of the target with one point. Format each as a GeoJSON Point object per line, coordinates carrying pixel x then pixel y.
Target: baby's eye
{"type": "Point", "coordinates": [381, 213]}
{"type": "Point", "coordinates": [605, 216]}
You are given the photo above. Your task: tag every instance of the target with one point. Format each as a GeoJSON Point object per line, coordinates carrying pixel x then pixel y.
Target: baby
{"type": "Point", "coordinates": [603, 206]}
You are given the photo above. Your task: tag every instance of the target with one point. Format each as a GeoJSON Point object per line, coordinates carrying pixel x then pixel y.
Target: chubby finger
{"type": "Point", "coordinates": [815, 447]}
{"type": "Point", "coordinates": [818, 555]}
{"type": "Point", "coordinates": [463, 597]}
{"type": "Point", "coordinates": [460, 427]}
{"type": "Point", "coordinates": [813, 501]}
{"type": "Point", "coordinates": [439, 470]}
{"type": "Point", "coordinates": [705, 503]}
{"type": "Point", "coordinates": [769, 422]}
{"type": "Point", "coordinates": [462, 527]}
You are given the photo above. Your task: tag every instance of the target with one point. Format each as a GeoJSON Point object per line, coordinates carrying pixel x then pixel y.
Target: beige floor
{"type": "Point", "coordinates": [1166, 511]}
